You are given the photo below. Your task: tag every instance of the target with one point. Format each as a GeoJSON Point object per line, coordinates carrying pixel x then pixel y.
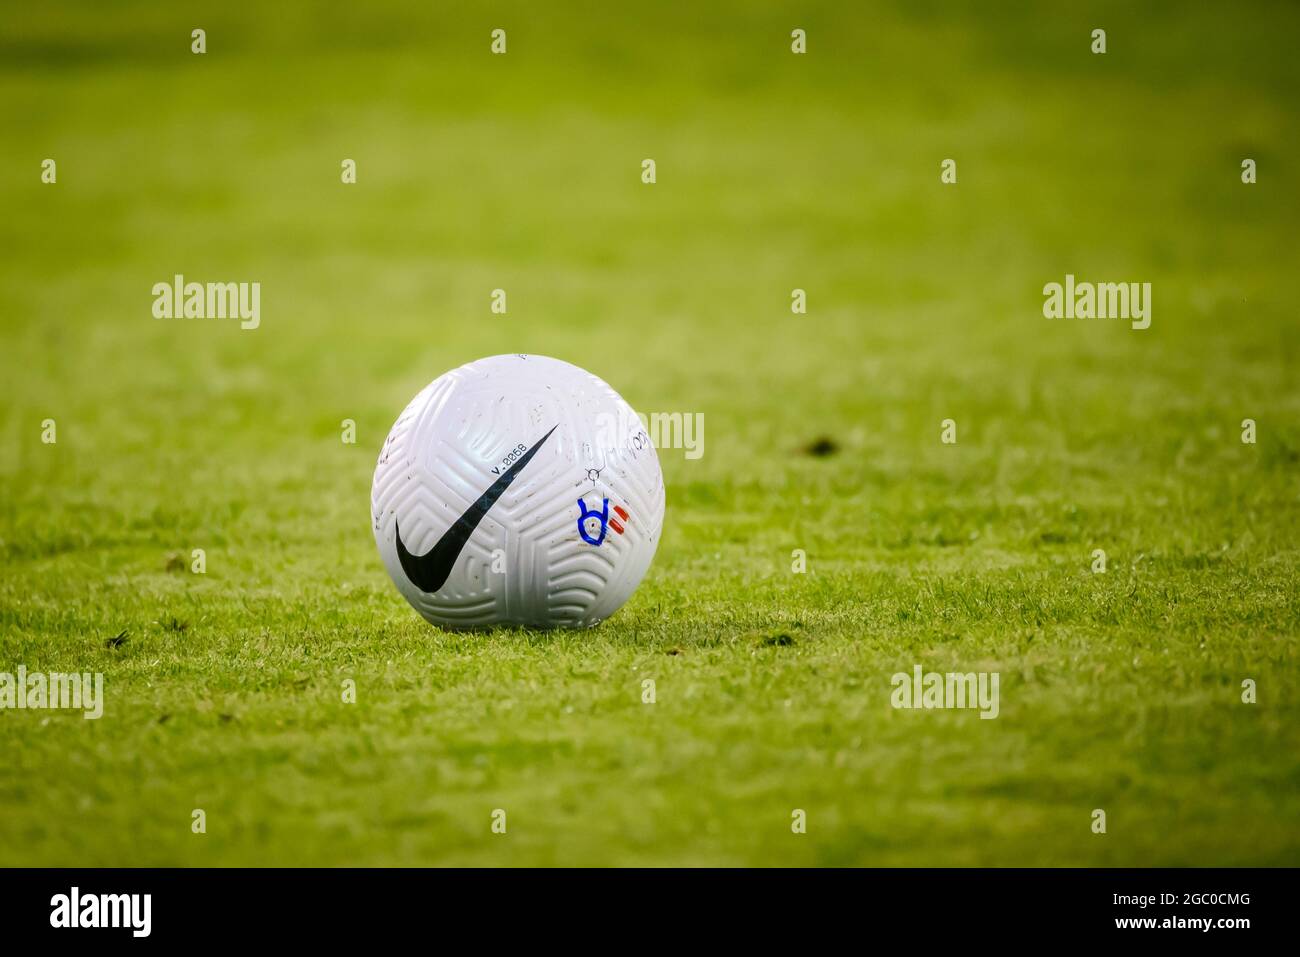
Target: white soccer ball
{"type": "Point", "coordinates": [517, 490]}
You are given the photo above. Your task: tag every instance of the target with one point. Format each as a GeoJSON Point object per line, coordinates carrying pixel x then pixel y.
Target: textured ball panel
{"type": "Point", "coordinates": [517, 490]}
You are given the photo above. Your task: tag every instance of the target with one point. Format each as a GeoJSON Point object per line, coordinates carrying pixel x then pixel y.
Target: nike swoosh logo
{"type": "Point", "coordinates": [430, 571]}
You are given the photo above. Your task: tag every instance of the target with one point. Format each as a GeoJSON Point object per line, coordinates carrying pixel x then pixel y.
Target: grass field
{"type": "Point", "coordinates": [1119, 691]}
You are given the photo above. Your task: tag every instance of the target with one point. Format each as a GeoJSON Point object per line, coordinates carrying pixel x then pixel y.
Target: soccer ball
{"type": "Point", "coordinates": [517, 490]}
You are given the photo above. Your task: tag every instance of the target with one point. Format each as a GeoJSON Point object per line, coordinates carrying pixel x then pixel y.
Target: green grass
{"type": "Point", "coordinates": [1119, 691]}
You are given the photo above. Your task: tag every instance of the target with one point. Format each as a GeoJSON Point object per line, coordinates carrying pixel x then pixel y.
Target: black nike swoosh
{"type": "Point", "coordinates": [429, 572]}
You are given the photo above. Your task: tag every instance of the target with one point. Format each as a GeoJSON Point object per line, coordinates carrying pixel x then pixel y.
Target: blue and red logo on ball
{"type": "Point", "coordinates": [586, 514]}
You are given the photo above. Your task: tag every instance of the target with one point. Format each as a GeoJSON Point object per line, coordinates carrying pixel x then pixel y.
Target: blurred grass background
{"type": "Point", "coordinates": [775, 171]}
